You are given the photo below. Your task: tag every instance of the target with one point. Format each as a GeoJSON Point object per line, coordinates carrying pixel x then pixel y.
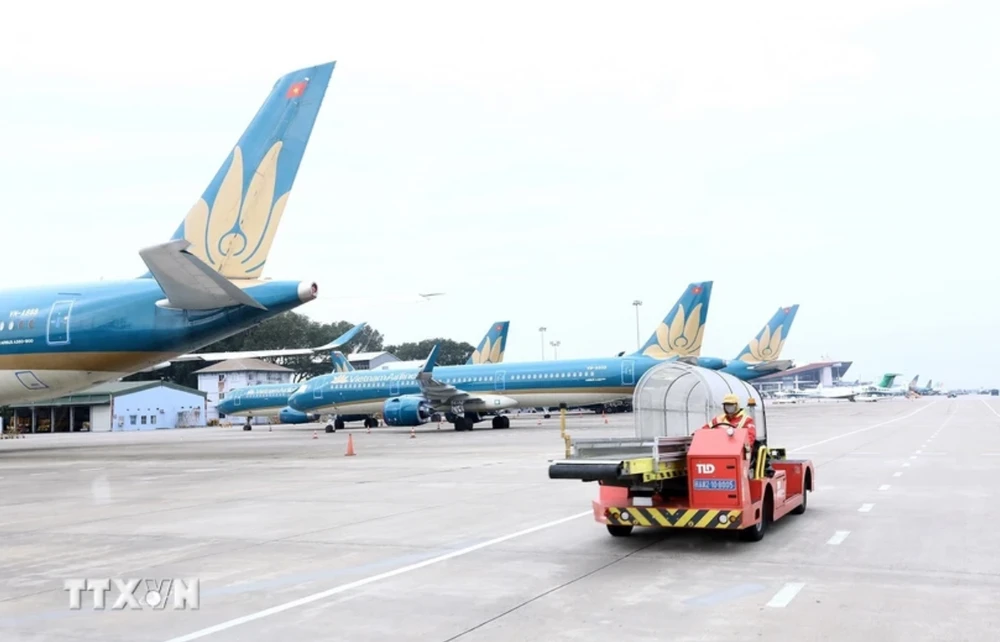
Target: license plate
{"type": "Point", "coordinates": [715, 484]}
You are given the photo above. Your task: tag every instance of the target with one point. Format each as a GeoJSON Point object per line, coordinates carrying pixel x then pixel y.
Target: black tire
{"type": "Point", "coordinates": [329, 428]}
{"type": "Point", "coordinates": [506, 421]}
{"type": "Point", "coordinates": [801, 508]}
{"type": "Point", "coordinates": [619, 531]}
{"type": "Point", "coordinates": [338, 424]}
{"type": "Point", "coordinates": [757, 532]}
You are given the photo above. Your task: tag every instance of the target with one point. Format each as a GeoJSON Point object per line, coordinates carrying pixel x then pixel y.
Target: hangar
{"type": "Point", "coordinates": [115, 406]}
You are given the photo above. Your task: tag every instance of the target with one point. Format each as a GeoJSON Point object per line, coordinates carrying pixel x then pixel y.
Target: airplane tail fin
{"type": "Point", "coordinates": [339, 362]}
{"type": "Point", "coordinates": [233, 224]}
{"type": "Point", "coordinates": [682, 330]}
{"type": "Point", "coordinates": [888, 379]}
{"type": "Point", "coordinates": [491, 348]}
{"type": "Point", "coordinates": [767, 345]}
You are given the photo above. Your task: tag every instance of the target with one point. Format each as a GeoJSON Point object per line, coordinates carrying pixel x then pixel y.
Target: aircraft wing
{"type": "Point", "coordinates": [189, 282]}
{"type": "Point", "coordinates": [778, 365]}
{"type": "Point", "coordinates": [438, 392]}
{"type": "Point", "coordinates": [257, 354]}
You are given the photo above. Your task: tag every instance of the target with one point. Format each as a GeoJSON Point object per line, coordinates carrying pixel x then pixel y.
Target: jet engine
{"type": "Point", "coordinates": [712, 363]}
{"type": "Point", "coordinates": [289, 415]}
{"type": "Point", "coordinates": [406, 411]}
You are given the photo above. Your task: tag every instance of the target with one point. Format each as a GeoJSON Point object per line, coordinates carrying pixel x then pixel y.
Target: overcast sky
{"type": "Point", "coordinates": [546, 163]}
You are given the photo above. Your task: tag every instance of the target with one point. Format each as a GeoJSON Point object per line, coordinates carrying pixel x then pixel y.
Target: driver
{"type": "Point", "coordinates": [737, 418]}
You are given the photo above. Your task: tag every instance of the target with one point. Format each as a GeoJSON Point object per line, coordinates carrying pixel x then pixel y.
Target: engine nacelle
{"type": "Point", "coordinates": [289, 415]}
{"type": "Point", "coordinates": [712, 363]}
{"type": "Point", "coordinates": [406, 411]}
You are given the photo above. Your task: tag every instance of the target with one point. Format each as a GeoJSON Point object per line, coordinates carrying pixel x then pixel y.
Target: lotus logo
{"type": "Point", "coordinates": [235, 235]}
{"type": "Point", "coordinates": [766, 348]}
{"type": "Point", "coordinates": [682, 338]}
{"type": "Point", "coordinates": [487, 352]}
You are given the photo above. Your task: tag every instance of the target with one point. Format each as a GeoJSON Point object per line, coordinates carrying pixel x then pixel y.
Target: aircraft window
{"type": "Point", "coordinates": [10, 325]}
{"type": "Point", "coordinates": [31, 324]}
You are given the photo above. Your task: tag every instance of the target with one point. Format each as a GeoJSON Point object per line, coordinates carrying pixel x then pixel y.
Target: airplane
{"type": "Point", "coordinates": [761, 355]}
{"type": "Point", "coordinates": [411, 397]}
{"type": "Point", "coordinates": [268, 399]}
{"type": "Point", "coordinates": [490, 350]}
{"type": "Point", "coordinates": [928, 390]}
{"type": "Point", "coordinates": [202, 285]}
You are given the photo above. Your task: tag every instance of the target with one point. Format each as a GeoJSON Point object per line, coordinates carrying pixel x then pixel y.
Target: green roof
{"type": "Point", "coordinates": [102, 393]}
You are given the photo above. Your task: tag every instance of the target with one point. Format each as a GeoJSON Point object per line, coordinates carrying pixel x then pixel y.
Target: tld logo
{"type": "Point", "coordinates": [706, 469]}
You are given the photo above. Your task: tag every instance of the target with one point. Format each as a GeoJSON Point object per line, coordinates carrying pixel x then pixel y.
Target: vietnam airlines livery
{"type": "Point", "coordinates": [410, 397]}
{"type": "Point", "coordinates": [762, 355]}
{"type": "Point", "coordinates": [267, 399]}
{"type": "Point", "coordinates": [202, 285]}
{"type": "Point", "coordinates": [489, 350]}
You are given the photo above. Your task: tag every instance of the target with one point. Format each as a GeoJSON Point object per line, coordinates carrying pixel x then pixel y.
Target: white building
{"type": "Point", "coordinates": [219, 379]}
{"type": "Point", "coordinates": [370, 360]}
{"type": "Point", "coordinates": [115, 406]}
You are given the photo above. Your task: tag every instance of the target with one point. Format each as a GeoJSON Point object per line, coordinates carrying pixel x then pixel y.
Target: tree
{"type": "Point", "coordinates": [452, 353]}
{"type": "Point", "coordinates": [287, 330]}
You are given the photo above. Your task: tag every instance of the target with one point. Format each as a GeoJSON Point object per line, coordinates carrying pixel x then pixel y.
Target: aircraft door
{"type": "Point", "coordinates": [628, 372]}
{"type": "Point", "coordinates": [57, 331]}
{"type": "Point", "coordinates": [394, 387]}
{"type": "Point", "coordinates": [500, 381]}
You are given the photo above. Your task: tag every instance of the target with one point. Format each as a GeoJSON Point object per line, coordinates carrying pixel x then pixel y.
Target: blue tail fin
{"type": "Point", "coordinates": [340, 362]}
{"type": "Point", "coordinates": [682, 330]}
{"type": "Point", "coordinates": [233, 224]}
{"type": "Point", "coordinates": [767, 345]}
{"type": "Point", "coordinates": [491, 348]}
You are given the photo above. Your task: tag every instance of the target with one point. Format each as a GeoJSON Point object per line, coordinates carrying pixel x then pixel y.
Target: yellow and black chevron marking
{"type": "Point", "coordinates": [674, 517]}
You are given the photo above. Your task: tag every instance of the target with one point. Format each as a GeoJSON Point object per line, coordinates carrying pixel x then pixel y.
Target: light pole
{"type": "Point", "coordinates": [555, 349]}
{"type": "Point", "coordinates": [637, 303]}
{"type": "Point", "coordinates": [542, 330]}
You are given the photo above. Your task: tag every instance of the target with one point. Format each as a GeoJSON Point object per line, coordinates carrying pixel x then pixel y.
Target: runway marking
{"type": "Point", "coordinates": [87, 470]}
{"type": "Point", "coordinates": [988, 406]}
{"type": "Point", "coordinates": [838, 538]}
{"type": "Point", "coordinates": [866, 508]}
{"type": "Point", "coordinates": [913, 456]}
{"type": "Point", "coordinates": [919, 451]}
{"type": "Point", "coordinates": [371, 579]}
{"type": "Point", "coordinates": [860, 430]}
{"type": "Point", "coordinates": [784, 596]}
{"type": "Point", "coordinates": [906, 464]}
{"type": "Point", "coordinates": [884, 487]}
{"type": "Point", "coordinates": [897, 474]}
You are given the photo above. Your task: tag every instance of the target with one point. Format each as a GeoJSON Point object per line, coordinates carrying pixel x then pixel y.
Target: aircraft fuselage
{"type": "Point", "coordinates": [59, 339]}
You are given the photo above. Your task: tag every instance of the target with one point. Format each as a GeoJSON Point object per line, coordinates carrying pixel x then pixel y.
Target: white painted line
{"type": "Point", "coordinates": [913, 456]}
{"type": "Point", "coordinates": [87, 470]}
{"type": "Point", "coordinates": [897, 474]}
{"type": "Point", "coordinates": [838, 538]}
{"type": "Point", "coordinates": [919, 451]}
{"type": "Point", "coordinates": [371, 579]}
{"type": "Point", "coordinates": [884, 487]}
{"type": "Point", "coordinates": [990, 408]}
{"type": "Point", "coordinates": [866, 508]}
{"type": "Point", "coordinates": [787, 593]}
{"type": "Point", "coordinates": [860, 430]}
{"type": "Point", "coordinates": [906, 464]}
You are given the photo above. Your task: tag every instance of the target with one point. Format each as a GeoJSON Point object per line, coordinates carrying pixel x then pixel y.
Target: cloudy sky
{"type": "Point", "coordinates": [546, 163]}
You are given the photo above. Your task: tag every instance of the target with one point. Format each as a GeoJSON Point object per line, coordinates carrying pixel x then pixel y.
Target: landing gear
{"type": "Point", "coordinates": [371, 422]}
{"type": "Point", "coordinates": [501, 421]}
{"type": "Point", "coordinates": [247, 425]}
{"type": "Point", "coordinates": [462, 423]}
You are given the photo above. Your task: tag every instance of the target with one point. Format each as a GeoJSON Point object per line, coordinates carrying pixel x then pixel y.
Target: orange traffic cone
{"type": "Point", "coordinates": [315, 436]}
{"type": "Point", "coordinates": [605, 415]}
{"type": "Point", "coordinates": [350, 446]}
{"type": "Point", "coordinates": [413, 433]}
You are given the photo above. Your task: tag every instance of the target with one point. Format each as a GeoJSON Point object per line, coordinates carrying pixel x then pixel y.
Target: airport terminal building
{"type": "Point", "coordinates": [804, 377]}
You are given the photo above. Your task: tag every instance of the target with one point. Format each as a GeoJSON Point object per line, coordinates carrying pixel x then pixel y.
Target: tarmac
{"type": "Point", "coordinates": [462, 536]}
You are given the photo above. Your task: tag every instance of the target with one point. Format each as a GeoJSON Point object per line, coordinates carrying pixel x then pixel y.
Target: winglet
{"type": "Point", "coordinates": [189, 282]}
{"type": "Point", "coordinates": [342, 339]}
{"type": "Point", "coordinates": [425, 371]}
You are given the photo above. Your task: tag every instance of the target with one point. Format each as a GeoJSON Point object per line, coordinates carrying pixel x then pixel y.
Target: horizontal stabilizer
{"type": "Point", "coordinates": [778, 365]}
{"type": "Point", "coordinates": [190, 283]}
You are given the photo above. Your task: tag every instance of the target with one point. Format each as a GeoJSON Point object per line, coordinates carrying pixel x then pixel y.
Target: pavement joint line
{"type": "Point", "coordinates": [866, 508]}
{"type": "Point", "coordinates": [371, 579]}
{"type": "Point", "coordinates": [838, 538]}
{"type": "Point", "coordinates": [867, 428]}
{"type": "Point", "coordinates": [786, 594]}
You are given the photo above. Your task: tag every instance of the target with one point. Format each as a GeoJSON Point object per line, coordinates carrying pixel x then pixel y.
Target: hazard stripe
{"type": "Point", "coordinates": [674, 517]}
